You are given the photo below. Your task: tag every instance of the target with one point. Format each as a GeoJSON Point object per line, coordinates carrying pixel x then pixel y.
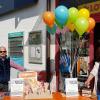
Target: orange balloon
{"type": "Point", "coordinates": [71, 27]}
{"type": "Point", "coordinates": [49, 18]}
{"type": "Point", "coordinates": [91, 24]}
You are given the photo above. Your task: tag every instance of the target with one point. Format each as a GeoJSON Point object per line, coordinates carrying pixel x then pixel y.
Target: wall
{"type": "Point", "coordinates": [25, 20]}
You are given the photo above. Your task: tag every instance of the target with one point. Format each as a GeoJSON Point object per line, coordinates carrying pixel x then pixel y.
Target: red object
{"type": "Point", "coordinates": [96, 17]}
{"type": "Point", "coordinates": [42, 76]}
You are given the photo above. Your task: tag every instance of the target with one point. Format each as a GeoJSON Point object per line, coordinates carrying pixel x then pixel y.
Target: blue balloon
{"type": "Point", "coordinates": [52, 30]}
{"type": "Point", "coordinates": [61, 15]}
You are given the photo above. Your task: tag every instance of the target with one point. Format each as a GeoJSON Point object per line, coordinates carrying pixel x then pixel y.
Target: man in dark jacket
{"type": "Point", "coordinates": [5, 64]}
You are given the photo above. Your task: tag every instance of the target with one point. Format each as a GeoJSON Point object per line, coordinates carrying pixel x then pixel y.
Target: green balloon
{"type": "Point", "coordinates": [73, 14]}
{"type": "Point", "coordinates": [81, 25]}
{"type": "Point", "coordinates": [58, 24]}
{"type": "Point", "coordinates": [52, 30]}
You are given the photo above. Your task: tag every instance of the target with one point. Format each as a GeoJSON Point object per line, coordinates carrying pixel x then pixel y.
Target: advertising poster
{"type": "Point", "coordinates": [82, 66]}
{"type": "Point", "coordinates": [15, 50]}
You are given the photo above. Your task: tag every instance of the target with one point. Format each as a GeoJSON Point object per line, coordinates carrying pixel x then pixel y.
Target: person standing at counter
{"type": "Point", "coordinates": [65, 62]}
{"type": "Point", "coordinates": [5, 64]}
{"type": "Point", "coordinates": [95, 72]}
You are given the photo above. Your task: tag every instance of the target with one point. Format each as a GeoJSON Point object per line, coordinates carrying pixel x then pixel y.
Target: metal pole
{"type": "Point", "coordinates": [48, 47]}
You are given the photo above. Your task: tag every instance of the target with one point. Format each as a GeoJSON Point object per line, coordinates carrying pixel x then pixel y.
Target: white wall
{"type": "Point", "coordinates": [25, 20]}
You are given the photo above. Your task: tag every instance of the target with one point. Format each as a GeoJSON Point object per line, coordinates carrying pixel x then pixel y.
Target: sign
{"type": "Point", "coordinates": [11, 5]}
{"type": "Point", "coordinates": [71, 85]}
{"type": "Point", "coordinates": [16, 87]}
{"type": "Point", "coordinates": [35, 47]}
{"type": "Point", "coordinates": [15, 50]}
{"type": "Point", "coordinates": [93, 7]}
{"type": "Point", "coordinates": [15, 34]}
{"type": "Point", "coordinates": [73, 3]}
{"type": "Point", "coordinates": [28, 74]}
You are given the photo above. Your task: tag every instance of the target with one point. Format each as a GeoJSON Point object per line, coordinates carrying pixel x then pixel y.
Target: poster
{"type": "Point", "coordinates": [71, 85]}
{"type": "Point", "coordinates": [82, 66]}
{"type": "Point", "coordinates": [38, 52]}
{"type": "Point", "coordinates": [32, 51]}
{"type": "Point", "coordinates": [15, 49]}
{"type": "Point", "coordinates": [35, 47]}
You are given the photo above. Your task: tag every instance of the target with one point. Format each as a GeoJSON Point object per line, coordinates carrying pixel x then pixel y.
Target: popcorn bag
{"type": "Point", "coordinates": [34, 89]}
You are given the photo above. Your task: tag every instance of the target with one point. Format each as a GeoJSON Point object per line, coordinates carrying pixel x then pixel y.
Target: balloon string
{"type": "Point", "coordinates": [60, 40]}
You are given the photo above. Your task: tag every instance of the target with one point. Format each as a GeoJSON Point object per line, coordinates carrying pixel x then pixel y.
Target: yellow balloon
{"type": "Point", "coordinates": [81, 25]}
{"type": "Point", "coordinates": [84, 13]}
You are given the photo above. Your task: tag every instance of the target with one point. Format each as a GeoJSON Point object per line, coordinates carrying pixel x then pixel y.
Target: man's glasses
{"type": "Point", "coordinates": [2, 51]}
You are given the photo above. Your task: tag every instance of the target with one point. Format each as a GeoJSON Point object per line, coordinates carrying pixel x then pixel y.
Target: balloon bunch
{"type": "Point", "coordinates": [68, 19]}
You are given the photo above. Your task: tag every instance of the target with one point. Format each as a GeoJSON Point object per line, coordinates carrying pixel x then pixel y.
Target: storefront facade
{"type": "Point", "coordinates": [36, 49]}
{"type": "Point", "coordinates": [91, 38]}
{"type": "Point", "coordinates": [94, 8]}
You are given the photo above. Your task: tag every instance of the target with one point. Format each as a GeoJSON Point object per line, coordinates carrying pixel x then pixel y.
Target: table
{"type": "Point", "coordinates": [56, 96]}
